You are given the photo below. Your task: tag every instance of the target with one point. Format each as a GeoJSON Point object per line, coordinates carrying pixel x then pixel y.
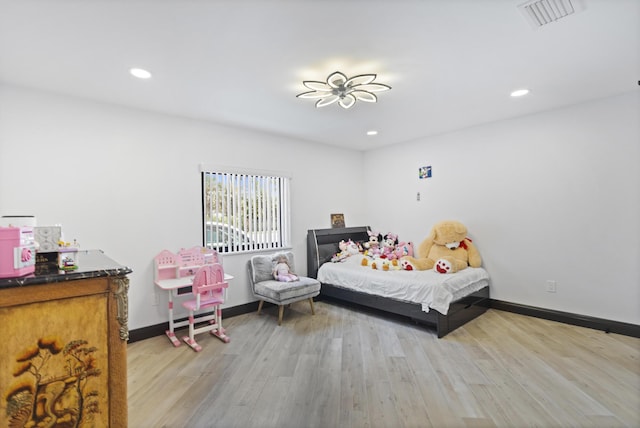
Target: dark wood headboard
{"type": "Point", "coordinates": [322, 244]}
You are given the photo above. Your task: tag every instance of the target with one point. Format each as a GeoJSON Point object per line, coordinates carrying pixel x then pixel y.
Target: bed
{"type": "Point", "coordinates": [445, 302]}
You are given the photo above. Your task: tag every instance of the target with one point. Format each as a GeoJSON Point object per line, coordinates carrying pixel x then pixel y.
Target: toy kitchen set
{"type": "Point", "coordinates": [26, 248]}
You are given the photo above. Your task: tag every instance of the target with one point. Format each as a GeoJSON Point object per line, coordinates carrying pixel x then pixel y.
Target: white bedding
{"type": "Point", "coordinates": [430, 289]}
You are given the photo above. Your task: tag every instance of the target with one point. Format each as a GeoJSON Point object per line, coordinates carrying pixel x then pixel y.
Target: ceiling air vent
{"type": "Point", "coordinates": [542, 12]}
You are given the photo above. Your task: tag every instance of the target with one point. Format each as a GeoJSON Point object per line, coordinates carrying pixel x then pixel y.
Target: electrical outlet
{"type": "Point", "coordinates": [551, 286]}
{"type": "Point", "coordinates": [156, 299]}
{"type": "Point", "coordinates": [418, 197]}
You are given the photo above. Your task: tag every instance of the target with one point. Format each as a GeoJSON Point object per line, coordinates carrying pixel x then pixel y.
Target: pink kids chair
{"type": "Point", "coordinates": [209, 288]}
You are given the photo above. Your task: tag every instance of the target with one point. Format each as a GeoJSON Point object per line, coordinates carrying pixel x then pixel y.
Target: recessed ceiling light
{"type": "Point", "coordinates": [140, 73]}
{"type": "Point", "coordinates": [519, 92]}
{"type": "Point", "coordinates": [372, 132]}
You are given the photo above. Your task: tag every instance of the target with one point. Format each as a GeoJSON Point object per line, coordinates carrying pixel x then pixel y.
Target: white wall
{"type": "Point", "coordinates": [552, 196]}
{"type": "Point", "coordinates": [127, 181]}
{"type": "Point", "coordinates": [543, 196]}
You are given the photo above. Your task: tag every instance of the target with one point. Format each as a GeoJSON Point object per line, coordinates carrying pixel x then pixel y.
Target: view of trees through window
{"type": "Point", "coordinates": [244, 212]}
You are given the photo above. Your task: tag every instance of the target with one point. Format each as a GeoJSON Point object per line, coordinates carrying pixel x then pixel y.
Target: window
{"type": "Point", "coordinates": [245, 212]}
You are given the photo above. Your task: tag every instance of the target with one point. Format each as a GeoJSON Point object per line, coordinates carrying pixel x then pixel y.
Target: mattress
{"type": "Point", "coordinates": [430, 289]}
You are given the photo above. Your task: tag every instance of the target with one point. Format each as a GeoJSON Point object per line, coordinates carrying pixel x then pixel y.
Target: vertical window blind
{"type": "Point", "coordinates": [245, 212]}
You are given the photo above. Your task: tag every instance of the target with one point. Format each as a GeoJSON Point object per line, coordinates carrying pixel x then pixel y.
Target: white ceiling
{"type": "Point", "coordinates": [451, 63]}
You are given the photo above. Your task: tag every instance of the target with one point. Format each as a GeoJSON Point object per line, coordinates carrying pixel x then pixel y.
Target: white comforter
{"type": "Point", "coordinates": [430, 289]}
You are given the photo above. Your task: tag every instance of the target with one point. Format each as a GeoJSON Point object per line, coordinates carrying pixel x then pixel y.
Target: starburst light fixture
{"type": "Point", "coordinates": [345, 91]}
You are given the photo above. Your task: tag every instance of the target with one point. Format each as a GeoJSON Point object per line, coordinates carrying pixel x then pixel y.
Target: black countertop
{"type": "Point", "coordinates": [91, 264]}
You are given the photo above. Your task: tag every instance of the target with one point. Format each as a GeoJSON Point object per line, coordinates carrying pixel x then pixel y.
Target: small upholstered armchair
{"type": "Point", "coordinates": [267, 289]}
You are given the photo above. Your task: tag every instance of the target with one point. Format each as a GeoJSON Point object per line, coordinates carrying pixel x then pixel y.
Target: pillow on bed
{"type": "Point", "coordinates": [327, 251]}
{"type": "Point", "coordinates": [263, 265]}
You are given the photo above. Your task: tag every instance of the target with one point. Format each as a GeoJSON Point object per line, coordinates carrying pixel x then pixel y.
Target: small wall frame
{"type": "Point", "coordinates": [337, 220]}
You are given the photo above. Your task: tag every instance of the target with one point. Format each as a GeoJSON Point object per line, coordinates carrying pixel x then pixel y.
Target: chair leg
{"type": "Point", "coordinates": [280, 312]}
{"type": "Point", "coordinates": [219, 331]}
{"type": "Point", "coordinates": [191, 340]}
{"type": "Point", "coordinates": [311, 303]}
{"type": "Point", "coordinates": [260, 306]}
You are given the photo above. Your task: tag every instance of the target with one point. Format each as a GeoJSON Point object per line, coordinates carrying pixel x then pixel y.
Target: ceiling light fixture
{"type": "Point", "coordinates": [345, 91]}
{"type": "Point", "coordinates": [140, 73]}
{"type": "Point", "coordinates": [372, 132]}
{"type": "Point", "coordinates": [519, 92]}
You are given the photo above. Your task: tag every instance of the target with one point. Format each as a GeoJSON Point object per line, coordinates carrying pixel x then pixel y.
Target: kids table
{"type": "Point", "coordinates": [174, 274]}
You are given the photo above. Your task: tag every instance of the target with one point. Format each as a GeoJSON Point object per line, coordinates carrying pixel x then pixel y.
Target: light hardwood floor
{"type": "Point", "coordinates": [350, 368]}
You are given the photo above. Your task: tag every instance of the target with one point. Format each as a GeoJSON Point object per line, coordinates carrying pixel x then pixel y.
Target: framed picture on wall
{"type": "Point", "coordinates": [337, 220]}
{"type": "Point", "coordinates": [424, 172]}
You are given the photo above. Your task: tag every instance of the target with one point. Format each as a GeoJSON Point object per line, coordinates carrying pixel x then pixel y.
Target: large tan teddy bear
{"type": "Point", "coordinates": [446, 250]}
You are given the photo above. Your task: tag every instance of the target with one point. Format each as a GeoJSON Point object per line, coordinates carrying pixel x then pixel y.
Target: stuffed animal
{"type": "Point", "coordinates": [380, 263]}
{"type": "Point", "coordinates": [389, 254]}
{"type": "Point", "coordinates": [342, 254]}
{"type": "Point", "coordinates": [446, 250]}
{"type": "Point", "coordinates": [282, 271]}
{"type": "Point", "coordinates": [347, 249]}
{"type": "Point", "coordinates": [385, 264]}
{"type": "Point", "coordinates": [389, 246]}
{"type": "Point", "coordinates": [403, 249]}
{"type": "Point", "coordinates": [372, 246]}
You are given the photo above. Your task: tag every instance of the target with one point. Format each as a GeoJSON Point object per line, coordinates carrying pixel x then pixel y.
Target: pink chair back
{"type": "Point", "coordinates": [209, 281]}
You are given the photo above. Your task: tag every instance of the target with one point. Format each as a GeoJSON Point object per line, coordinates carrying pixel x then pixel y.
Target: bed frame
{"type": "Point", "coordinates": [322, 244]}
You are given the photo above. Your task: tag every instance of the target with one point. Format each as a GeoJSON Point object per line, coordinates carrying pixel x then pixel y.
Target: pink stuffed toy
{"type": "Point", "coordinates": [372, 246]}
{"type": "Point", "coordinates": [403, 249]}
{"type": "Point", "coordinates": [282, 271]}
{"type": "Point", "coordinates": [389, 245]}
